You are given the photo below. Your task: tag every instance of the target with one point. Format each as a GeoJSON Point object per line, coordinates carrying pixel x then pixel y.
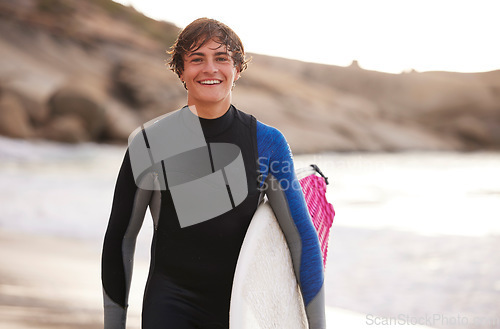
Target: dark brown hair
{"type": "Point", "coordinates": [198, 33]}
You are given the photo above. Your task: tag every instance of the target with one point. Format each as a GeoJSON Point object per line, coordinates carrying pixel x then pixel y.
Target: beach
{"type": "Point", "coordinates": [403, 252]}
{"type": "Point", "coordinates": [49, 282]}
{"type": "Point", "coordinates": [53, 282]}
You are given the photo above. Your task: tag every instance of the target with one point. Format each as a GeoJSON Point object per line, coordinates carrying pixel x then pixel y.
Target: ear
{"type": "Point", "coordinates": [237, 75]}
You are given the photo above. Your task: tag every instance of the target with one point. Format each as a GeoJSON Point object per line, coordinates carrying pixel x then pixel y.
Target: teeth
{"type": "Point", "coordinates": [210, 82]}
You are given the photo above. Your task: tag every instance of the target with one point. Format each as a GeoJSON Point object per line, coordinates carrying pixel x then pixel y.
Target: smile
{"type": "Point", "coordinates": [210, 82]}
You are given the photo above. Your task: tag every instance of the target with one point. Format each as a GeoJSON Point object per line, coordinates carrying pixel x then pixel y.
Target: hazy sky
{"type": "Point", "coordinates": [384, 35]}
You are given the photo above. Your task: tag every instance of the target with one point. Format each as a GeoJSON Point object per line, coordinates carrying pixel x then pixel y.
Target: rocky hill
{"type": "Point", "coordinates": [94, 70]}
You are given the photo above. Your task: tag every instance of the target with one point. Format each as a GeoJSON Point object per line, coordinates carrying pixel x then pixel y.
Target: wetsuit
{"type": "Point", "coordinates": [192, 267]}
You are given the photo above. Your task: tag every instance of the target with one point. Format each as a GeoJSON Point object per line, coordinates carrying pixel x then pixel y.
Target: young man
{"type": "Point", "coordinates": [199, 229]}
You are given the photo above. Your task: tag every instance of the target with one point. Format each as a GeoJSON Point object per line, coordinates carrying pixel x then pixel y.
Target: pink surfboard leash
{"type": "Point", "coordinates": [321, 211]}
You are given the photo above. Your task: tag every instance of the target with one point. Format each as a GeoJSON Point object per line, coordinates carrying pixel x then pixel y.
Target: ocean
{"type": "Point", "coordinates": [61, 189]}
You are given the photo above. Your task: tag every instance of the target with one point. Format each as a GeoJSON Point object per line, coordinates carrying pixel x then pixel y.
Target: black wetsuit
{"type": "Point", "coordinates": [192, 267]}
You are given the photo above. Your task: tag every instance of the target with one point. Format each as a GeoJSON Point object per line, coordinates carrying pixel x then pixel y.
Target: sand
{"type": "Point", "coordinates": [48, 282]}
{"type": "Point", "coordinates": [373, 276]}
{"type": "Point", "coordinates": [54, 282]}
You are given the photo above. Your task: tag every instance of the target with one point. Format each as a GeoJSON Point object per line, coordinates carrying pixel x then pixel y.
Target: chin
{"type": "Point", "coordinates": [215, 98]}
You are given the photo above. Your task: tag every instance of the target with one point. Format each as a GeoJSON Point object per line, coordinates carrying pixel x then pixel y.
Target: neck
{"type": "Point", "coordinates": [209, 110]}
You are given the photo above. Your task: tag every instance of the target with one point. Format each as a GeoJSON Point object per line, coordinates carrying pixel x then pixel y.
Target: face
{"type": "Point", "coordinates": [209, 73]}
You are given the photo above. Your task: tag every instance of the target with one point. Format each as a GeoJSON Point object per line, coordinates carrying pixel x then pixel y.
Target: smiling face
{"type": "Point", "coordinates": [209, 73]}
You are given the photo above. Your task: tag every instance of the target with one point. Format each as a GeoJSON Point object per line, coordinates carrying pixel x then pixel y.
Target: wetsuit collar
{"type": "Point", "coordinates": [214, 127]}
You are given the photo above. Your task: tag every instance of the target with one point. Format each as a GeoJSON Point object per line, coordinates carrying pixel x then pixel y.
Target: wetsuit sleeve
{"type": "Point", "coordinates": [287, 200]}
{"type": "Point", "coordinates": [127, 214]}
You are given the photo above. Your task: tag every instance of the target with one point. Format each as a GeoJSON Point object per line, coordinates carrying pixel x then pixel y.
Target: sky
{"type": "Point", "coordinates": [383, 35]}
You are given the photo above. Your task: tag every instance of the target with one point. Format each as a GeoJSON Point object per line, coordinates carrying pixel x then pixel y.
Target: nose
{"type": "Point", "coordinates": [210, 66]}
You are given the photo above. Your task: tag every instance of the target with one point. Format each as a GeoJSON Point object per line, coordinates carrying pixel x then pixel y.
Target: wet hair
{"type": "Point", "coordinates": [197, 34]}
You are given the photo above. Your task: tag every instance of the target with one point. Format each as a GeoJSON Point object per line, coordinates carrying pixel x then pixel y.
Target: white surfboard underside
{"type": "Point", "coordinates": [265, 291]}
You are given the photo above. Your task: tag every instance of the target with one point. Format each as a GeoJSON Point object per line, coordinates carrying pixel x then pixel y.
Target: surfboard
{"type": "Point", "coordinates": [265, 292]}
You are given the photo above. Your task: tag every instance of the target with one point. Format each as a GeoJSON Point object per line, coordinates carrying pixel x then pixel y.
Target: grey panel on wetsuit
{"type": "Point", "coordinates": [141, 201]}
{"type": "Point", "coordinates": [155, 206]}
{"type": "Point", "coordinates": [280, 206]}
{"type": "Point", "coordinates": [115, 315]}
{"type": "Point", "coordinates": [315, 310]}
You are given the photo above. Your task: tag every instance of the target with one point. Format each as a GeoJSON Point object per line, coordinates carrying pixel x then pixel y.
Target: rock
{"type": "Point", "coordinates": [66, 128]}
{"type": "Point", "coordinates": [472, 131]}
{"type": "Point", "coordinates": [149, 88]}
{"type": "Point", "coordinates": [122, 82]}
{"type": "Point", "coordinates": [120, 122]}
{"type": "Point", "coordinates": [74, 102]}
{"type": "Point", "coordinates": [37, 110]}
{"type": "Point", "coordinates": [14, 119]}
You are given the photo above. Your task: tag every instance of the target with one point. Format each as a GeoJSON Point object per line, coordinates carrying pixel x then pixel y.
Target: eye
{"type": "Point", "coordinates": [196, 60]}
{"type": "Point", "coordinates": [222, 59]}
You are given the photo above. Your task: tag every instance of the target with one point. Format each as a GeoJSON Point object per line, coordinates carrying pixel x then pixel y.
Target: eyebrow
{"type": "Point", "coordinates": [202, 54]}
